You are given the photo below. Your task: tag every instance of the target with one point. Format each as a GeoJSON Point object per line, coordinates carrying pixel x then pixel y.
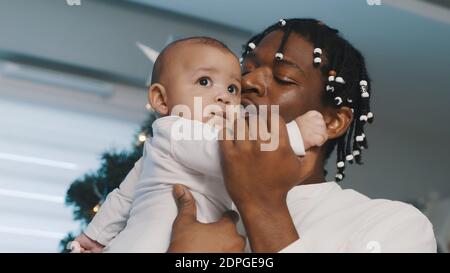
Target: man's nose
{"type": "Point", "coordinates": [255, 82]}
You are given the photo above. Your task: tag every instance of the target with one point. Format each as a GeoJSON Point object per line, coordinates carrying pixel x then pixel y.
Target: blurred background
{"type": "Point", "coordinates": [72, 85]}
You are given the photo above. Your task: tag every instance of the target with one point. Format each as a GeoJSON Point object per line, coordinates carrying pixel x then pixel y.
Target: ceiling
{"type": "Point", "coordinates": [251, 15]}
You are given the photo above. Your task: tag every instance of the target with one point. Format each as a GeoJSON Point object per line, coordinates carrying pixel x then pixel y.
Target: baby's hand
{"type": "Point", "coordinates": [313, 129]}
{"type": "Point", "coordinates": [84, 244]}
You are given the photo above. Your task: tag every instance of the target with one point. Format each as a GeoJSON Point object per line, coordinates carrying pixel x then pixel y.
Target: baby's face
{"type": "Point", "coordinates": [202, 71]}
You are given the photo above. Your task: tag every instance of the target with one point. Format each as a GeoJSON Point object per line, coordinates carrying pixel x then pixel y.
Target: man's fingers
{"type": "Point", "coordinates": [187, 210]}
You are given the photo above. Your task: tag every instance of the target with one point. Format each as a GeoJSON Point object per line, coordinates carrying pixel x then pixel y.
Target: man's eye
{"type": "Point", "coordinates": [283, 80]}
{"type": "Point", "coordinates": [233, 89]}
{"type": "Point", "coordinates": [204, 81]}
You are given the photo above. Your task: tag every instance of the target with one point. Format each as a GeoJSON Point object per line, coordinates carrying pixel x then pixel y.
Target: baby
{"type": "Point", "coordinates": [198, 67]}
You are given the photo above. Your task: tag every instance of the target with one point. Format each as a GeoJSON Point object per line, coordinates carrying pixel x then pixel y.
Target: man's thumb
{"type": "Point", "coordinates": [185, 202]}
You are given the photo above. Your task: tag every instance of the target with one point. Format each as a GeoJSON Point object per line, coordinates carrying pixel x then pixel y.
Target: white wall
{"type": "Point", "coordinates": [50, 136]}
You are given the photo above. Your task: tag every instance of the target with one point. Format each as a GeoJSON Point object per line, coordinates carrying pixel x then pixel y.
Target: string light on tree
{"type": "Point", "coordinates": [96, 208]}
{"type": "Point", "coordinates": [142, 137]}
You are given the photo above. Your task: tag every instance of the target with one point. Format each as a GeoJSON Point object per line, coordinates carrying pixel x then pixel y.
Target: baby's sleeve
{"type": "Point", "coordinates": [113, 214]}
{"type": "Point", "coordinates": [295, 138]}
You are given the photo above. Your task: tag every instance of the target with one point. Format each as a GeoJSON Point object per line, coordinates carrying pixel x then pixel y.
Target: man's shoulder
{"type": "Point", "coordinates": [377, 211]}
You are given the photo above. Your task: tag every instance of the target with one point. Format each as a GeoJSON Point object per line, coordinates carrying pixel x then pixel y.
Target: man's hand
{"type": "Point", "coordinates": [87, 245]}
{"type": "Point", "coordinates": [258, 182]}
{"type": "Point", "coordinates": [256, 177]}
{"type": "Point", "coordinates": [313, 129]}
{"type": "Point", "coordinates": [189, 235]}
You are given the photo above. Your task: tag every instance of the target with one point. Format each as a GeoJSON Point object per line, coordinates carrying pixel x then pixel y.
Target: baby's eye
{"type": "Point", "coordinates": [204, 81]}
{"type": "Point", "coordinates": [233, 89]}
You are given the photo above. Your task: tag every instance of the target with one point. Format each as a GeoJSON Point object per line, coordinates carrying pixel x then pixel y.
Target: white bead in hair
{"type": "Point", "coordinates": [331, 78]}
{"type": "Point", "coordinates": [356, 152]}
{"type": "Point", "coordinates": [370, 115]}
{"type": "Point", "coordinates": [330, 88]}
{"type": "Point", "coordinates": [359, 138]}
{"type": "Point", "coordinates": [279, 56]}
{"type": "Point", "coordinates": [317, 60]}
{"type": "Point", "coordinates": [317, 50]}
{"type": "Point", "coordinates": [349, 157]}
{"type": "Point", "coordinates": [363, 83]}
{"type": "Point", "coordinates": [340, 164]}
{"type": "Point", "coordinates": [365, 95]}
{"type": "Point", "coordinates": [340, 80]}
{"type": "Point", "coordinates": [252, 45]}
{"type": "Point", "coordinates": [338, 100]}
{"type": "Point", "coordinates": [363, 118]}
{"type": "Point", "coordinates": [282, 22]}
{"type": "Point", "coordinates": [339, 177]}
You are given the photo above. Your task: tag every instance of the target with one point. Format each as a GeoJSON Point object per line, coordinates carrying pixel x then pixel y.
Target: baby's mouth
{"type": "Point", "coordinates": [218, 114]}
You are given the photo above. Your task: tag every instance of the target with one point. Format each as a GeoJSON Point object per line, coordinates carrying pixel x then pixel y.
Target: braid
{"type": "Point", "coordinates": [347, 82]}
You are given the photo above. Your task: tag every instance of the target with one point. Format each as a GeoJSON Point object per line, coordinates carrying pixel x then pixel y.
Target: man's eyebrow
{"type": "Point", "coordinates": [290, 63]}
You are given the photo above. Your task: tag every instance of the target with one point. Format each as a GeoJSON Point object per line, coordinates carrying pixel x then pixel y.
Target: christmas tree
{"type": "Point", "coordinates": [87, 193]}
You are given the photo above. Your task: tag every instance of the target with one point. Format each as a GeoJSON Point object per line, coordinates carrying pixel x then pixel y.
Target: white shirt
{"type": "Point", "coordinates": [330, 219]}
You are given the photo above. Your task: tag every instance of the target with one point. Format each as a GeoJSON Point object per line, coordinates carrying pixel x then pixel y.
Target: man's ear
{"type": "Point", "coordinates": [157, 97]}
{"type": "Point", "coordinates": [337, 120]}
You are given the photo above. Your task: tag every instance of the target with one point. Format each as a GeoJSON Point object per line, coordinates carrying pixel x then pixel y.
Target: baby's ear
{"type": "Point", "coordinates": [337, 121]}
{"type": "Point", "coordinates": [157, 97]}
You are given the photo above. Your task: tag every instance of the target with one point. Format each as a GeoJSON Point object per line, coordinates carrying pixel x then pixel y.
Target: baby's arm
{"type": "Point", "coordinates": [313, 129]}
{"type": "Point", "coordinates": [114, 212]}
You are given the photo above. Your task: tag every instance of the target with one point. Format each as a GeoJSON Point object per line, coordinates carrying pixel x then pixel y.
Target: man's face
{"type": "Point", "coordinates": [199, 70]}
{"type": "Point", "coordinates": [293, 83]}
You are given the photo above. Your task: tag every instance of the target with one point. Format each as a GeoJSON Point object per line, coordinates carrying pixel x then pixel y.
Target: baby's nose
{"type": "Point", "coordinates": [224, 97]}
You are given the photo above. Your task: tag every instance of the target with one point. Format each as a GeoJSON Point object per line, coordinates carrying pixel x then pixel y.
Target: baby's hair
{"type": "Point", "coordinates": [158, 67]}
{"type": "Point", "coordinates": [345, 78]}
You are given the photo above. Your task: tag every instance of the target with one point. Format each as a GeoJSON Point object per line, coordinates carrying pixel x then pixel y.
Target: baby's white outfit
{"type": "Point", "coordinates": [181, 151]}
